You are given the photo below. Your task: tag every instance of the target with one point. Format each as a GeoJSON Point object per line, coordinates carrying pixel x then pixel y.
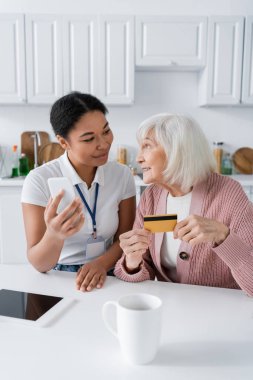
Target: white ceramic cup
{"type": "Point", "coordinates": [138, 325]}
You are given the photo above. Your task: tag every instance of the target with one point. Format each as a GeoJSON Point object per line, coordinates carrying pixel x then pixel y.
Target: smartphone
{"type": "Point", "coordinates": [57, 184]}
{"type": "Point", "coordinates": [160, 223]}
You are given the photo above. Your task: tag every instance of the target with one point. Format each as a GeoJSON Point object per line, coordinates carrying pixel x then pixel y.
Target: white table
{"type": "Point", "coordinates": [207, 333]}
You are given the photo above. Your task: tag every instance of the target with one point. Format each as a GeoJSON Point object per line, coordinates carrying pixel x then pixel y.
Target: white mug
{"type": "Point", "coordinates": [138, 328]}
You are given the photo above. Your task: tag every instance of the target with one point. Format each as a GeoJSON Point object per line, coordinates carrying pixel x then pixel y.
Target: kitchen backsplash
{"type": "Point", "coordinates": [6, 157]}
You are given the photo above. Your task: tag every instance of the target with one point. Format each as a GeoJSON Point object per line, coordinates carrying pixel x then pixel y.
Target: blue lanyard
{"type": "Point", "coordinates": [92, 214]}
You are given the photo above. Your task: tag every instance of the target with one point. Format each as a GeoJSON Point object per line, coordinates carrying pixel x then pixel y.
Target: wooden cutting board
{"type": "Point", "coordinates": [27, 144]}
{"type": "Point", "coordinates": [243, 160]}
{"type": "Point", "coordinates": [49, 152]}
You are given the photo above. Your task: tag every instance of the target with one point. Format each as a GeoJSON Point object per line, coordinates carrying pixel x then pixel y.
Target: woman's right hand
{"type": "Point", "coordinates": [134, 244]}
{"type": "Point", "coordinates": [68, 222]}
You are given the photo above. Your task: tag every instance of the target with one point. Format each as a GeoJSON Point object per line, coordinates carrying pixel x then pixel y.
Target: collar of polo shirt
{"type": "Point", "coordinates": [68, 171]}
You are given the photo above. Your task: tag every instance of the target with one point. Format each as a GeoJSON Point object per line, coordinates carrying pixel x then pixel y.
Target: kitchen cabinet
{"type": "Point", "coordinates": [80, 54]}
{"type": "Point", "coordinates": [47, 56]}
{"type": "Point", "coordinates": [247, 80]}
{"type": "Point", "coordinates": [117, 59]}
{"type": "Point", "coordinates": [227, 80]}
{"type": "Point", "coordinates": [12, 62]}
{"type": "Point", "coordinates": [161, 42]}
{"type": "Point", "coordinates": [12, 234]}
{"type": "Point", "coordinates": [44, 58]}
{"type": "Point", "coordinates": [99, 57]}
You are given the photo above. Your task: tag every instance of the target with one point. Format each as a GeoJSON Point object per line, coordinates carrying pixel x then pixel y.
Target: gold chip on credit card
{"type": "Point", "coordinates": [160, 223]}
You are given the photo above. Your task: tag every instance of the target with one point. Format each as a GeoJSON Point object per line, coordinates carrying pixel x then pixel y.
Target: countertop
{"type": "Point", "coordinates": [244, 179]}
{"type": "Point", "coordinates": [207, 333]}
{"type": "Point", "coordinates": [12, 182]}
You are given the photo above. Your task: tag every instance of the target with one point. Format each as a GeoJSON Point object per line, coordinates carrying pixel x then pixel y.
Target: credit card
{"type": "Point", "coordinates": [160, 223]}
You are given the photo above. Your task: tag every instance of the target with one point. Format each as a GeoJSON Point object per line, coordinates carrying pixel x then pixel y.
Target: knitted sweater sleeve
{"type": "Point", "coordinates": [237, 250]}
{"type": "Point", "coordinates": [146, 271]}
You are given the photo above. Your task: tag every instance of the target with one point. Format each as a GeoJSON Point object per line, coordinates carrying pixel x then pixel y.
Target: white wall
{"type": "Point", "coordinates": [155, 92]}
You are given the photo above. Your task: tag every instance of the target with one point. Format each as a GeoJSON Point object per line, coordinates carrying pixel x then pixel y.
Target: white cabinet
{"type": "Point", "coordinates": [12, 234]}
{"type": "Point", "coordinates": [247, 81]}
{"type": "Point", "coordinates": [171, 42]}
{"type": "Point", "coordinates": [44, 58]}
{"type": "Point", "coordinates": [80, 54]}
{"type": "Point", "coordinates": [117, 59]}
{"type": "Point", "coordinates": [12, 62]}
{"type": "Point", "coordinates": [98, 56]}
{"type": "Point", "coordinates": [221, 80]}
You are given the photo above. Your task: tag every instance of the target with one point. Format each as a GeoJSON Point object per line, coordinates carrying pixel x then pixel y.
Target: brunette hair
{"type": "Point", "coordinates": [67, 111]}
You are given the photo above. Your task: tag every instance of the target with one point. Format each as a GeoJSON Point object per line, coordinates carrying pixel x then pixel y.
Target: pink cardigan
{"type": "Point", "coordinates": [229, 265]}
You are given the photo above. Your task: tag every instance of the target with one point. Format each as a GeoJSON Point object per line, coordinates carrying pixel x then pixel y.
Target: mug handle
{"type": "Point", "coordinates": [105, 313]}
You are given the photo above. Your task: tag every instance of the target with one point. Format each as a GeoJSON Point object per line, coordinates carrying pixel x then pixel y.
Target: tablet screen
{"type": "Point", "coordinates": [23, 305]}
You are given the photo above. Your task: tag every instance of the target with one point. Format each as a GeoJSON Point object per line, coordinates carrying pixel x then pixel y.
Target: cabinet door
{"type": "Point", "coordinates": [12, 234]}
{"type": "Point", "coordinates": [247, 87]}
{"type": "Point", "coordinates": [44, 58]}
{"type": "Point", "coordinates": [171, 42]}
{"type": "Point", "coordinates": [117, 59]}
{"type": "Point", "coordinates": [220, 83]}
{"type": "Point", "coordinates": [80, 54]}
{"type": "Point", "coordinates": [12, 62]}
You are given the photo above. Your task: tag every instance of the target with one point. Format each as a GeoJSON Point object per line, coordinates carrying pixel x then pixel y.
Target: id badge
{"type": "Point", "coordinates": [95, 247]}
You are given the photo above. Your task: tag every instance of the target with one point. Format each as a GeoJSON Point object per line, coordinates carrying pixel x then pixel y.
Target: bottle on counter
{"type": "Point", "coordinates": [218, 151]}
{"type": "Point", "coordinates": [23, 165]}
{"type": "Point", "coordinates": [122, 155]}
{"type": "Point", "coordinates": [226, 167]}
{"type": "Point", "coordinates": [15, 162]}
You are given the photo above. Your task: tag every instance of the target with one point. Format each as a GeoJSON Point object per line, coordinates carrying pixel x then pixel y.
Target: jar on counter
{"type": "Point", "coordinates": [218, 152]}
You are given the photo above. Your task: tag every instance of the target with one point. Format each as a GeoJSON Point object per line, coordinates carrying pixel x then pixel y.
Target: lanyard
{"type": "Point", "coordinates": [92, 214]}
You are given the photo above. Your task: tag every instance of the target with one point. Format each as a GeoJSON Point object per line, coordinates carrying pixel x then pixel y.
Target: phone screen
{"type": "Point", "coordinates": [24, 305]}
{"type": "Point", "coordinates": [57, 184]}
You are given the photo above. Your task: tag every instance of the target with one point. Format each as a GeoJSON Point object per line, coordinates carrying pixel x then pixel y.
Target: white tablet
{"type": "Point", "coordinates": [31, 308]}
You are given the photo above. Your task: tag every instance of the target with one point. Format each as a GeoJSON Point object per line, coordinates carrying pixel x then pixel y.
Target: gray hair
{"type": "Point", "coordinates": [189, 156]}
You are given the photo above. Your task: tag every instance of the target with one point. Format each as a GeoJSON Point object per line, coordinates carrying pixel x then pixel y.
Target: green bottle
{"type": "Point", "coordinates": [15, 163]}
{"type": "Point", "coordinates": [23, 165]}
{"type": "Point", "coordinates": [226, 167]}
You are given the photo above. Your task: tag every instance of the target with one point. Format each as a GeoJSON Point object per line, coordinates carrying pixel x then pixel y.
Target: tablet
{"type": "Point", "coordinates": [30, 308]}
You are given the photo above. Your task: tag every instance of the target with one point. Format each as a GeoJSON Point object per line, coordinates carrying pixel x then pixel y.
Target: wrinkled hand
{"type": "Point", "coordinates": [68, 222]}
{"type": "Point", "coordinates": [196, 229]}
{"type": "Point", "coordinates": [134, 244]}
{"type": "Point", "coordinates": [90, 276]}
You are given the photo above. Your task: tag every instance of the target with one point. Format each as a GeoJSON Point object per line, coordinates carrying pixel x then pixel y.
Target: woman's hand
{"type": "Point", "coordinates": [196, 229]}
{"type": "Point", "coordinates": [134, 244]}
{"type": "Point", "coordinates": [68, 222]}
{"type": "Point", "coordinates": [90, 276]}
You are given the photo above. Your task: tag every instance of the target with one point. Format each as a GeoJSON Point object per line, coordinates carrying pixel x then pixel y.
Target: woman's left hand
{"type": "Point", "coordinates": [90, 276]}
{"type": "Point", "coordinates": [196, 229]}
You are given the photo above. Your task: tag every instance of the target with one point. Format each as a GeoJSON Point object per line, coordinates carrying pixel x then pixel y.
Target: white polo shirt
{"type": "Point", "coordinates": [115, 184]}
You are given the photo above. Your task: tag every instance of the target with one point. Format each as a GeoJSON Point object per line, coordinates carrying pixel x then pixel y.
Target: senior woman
{"type": "Point", "coordinates": [212, 243]}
